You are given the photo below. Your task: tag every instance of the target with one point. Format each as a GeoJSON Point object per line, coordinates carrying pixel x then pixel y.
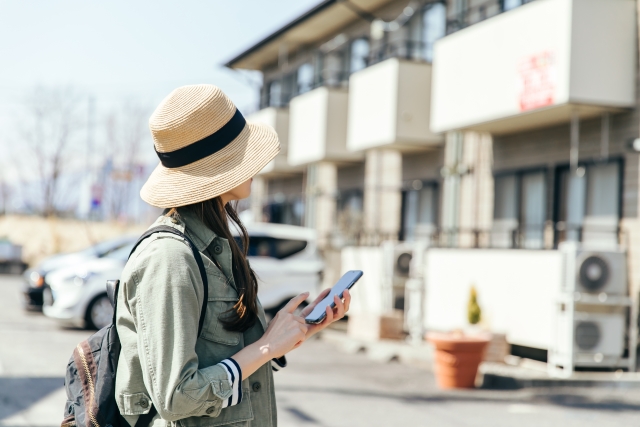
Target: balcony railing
{"type": "Point", "coordinates": [349, 230]}
{"type": "Point", "coordinates": [405, 49]}
{"type": "Point", "coordinates": [478, 13]}
{"type": "Point", "coordinates": [547, 236]}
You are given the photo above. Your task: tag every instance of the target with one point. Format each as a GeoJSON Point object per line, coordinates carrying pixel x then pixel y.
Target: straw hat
{"type": "Point", "coordinates": [205, 146]}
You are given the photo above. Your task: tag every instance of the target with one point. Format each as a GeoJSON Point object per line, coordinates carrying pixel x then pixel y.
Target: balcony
{"type": "Point", "coordinates": [535, 66]}
{"type": "Point", "coordinates": [389, 106]}
{"type": "Point", "coordinates": [318, 127]}
{"type": "Point", "coordinates": [278, 119]}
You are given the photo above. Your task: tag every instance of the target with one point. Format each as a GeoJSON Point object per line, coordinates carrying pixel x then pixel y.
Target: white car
{"type": "Point", "coordinates": [285, 259]}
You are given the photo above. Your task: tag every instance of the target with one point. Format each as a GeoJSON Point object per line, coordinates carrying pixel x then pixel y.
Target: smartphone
{"type": "Point", "coordinates": [346, 282]}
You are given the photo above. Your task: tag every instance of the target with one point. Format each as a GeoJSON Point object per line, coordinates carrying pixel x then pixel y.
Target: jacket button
{"type": "Point", "coordinates": [210, 410]}
{"type": "Point", "coordinates": [143, 403]}
{"type": "Point", "coordinates": [217, 249]}
{"type": "Point", "coordinates": [255, 386]}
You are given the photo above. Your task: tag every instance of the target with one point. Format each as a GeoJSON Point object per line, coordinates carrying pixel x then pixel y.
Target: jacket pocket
{"type": "Point", "coordinates": [213, 329]}
{"type": "Point", "coordinates": [135, 404]}
{"type": "Point", "coordinates": [240, 414]}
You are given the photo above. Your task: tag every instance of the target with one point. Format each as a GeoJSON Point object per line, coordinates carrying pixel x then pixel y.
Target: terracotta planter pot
{"type": "Point", "coordinates": [457, 358]}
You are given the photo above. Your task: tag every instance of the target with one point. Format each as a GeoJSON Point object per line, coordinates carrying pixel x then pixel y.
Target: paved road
{"type": "Point", "coordinates": [321, 388]}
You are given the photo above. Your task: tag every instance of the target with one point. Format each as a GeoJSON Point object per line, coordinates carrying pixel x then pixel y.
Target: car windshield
{"type": "Point", "coordinates": [108, 246]}
{"type": "Point", "coordinates": [121, 254]}
{"type": "Point", "coordinates": [273, 247]}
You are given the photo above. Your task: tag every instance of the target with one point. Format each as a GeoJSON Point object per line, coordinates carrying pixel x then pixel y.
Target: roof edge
{"type": "Point", "coordinates": [299, 20]}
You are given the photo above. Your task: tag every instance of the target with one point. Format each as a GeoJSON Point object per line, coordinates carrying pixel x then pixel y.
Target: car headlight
{"type": "Point", "coordinates": [36, 279]}
{"type": "Point", "coordinates": [82, 278]}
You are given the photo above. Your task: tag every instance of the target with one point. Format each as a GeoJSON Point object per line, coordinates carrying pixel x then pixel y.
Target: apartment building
{"type": "Point", "coordinates": [348, 88]}
{"type": "Point", "coordinates": [495, 124]}
{"type": "Point", "coordinates": [371, 152]}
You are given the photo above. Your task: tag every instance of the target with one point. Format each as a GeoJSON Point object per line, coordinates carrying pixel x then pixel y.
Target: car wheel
{"type": "Point", "coordinates": [99, 313]}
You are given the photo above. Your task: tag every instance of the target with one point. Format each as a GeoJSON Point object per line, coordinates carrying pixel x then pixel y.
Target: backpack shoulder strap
{"type": "Point", "coordinates": [196, 255]}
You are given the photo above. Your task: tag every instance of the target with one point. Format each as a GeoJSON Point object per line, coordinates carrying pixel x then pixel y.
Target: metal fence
{"type": "Point", "coordinates": [349, 227]}
{"type": "Point", "coordinates": [478, 13]}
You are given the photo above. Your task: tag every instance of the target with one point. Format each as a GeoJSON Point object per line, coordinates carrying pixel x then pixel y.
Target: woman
{"type": "Point", "coordinates": [208, 154]}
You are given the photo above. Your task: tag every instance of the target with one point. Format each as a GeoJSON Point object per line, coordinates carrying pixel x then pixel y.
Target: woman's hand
{"type": "Point", "coordinates": [338, 312]}
{"type": "Point", "coordinates": [286, 331]}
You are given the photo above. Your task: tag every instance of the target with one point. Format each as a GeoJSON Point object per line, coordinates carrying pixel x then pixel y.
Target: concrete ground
{"type": "Point", "coordinates": [321, 387]}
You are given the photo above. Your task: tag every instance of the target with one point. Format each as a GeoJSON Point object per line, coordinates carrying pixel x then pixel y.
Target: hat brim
{"type": "Point", "coordinates": [216, 174]}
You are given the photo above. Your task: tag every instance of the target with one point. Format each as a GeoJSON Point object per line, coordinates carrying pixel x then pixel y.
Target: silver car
{"type": "Point", "coordinates": [284, 257]}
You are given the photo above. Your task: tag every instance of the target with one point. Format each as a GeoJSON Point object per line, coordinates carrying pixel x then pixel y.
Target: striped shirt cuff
{"type": "Point", "coordinates": [234, 373]}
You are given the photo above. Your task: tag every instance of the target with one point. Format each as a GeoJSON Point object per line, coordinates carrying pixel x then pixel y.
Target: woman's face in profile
{"type": "Point", "coordinates": [242, 191]}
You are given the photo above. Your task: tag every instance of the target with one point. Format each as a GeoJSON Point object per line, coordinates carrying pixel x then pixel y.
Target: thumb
{"type": "Point", "coordinates": [295, 302]}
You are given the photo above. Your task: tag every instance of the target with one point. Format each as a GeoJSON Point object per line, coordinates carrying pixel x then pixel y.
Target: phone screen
{"type": "Point", "coordinates": [346, 281]}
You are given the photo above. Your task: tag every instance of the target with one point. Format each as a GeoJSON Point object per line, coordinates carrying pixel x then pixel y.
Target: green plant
{"type": "Point", "coordinates": [474, 313]}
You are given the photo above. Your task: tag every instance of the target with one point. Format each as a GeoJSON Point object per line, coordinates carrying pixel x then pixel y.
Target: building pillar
{"type": "Point", "coordinates": [449, 220]}
{"type": "Point", "coordinates": [476, 190]}
{"type": "Point", "coordinates": [259, 193]}
{"type": "Point", "coordinates": [467, 202]}
{"type": "Point", "coordinates": [382, 195]}
{"type": "Point", "coordinates": [321, 190]}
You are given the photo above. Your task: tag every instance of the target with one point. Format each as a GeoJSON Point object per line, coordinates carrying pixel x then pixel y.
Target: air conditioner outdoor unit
{"type": "Point", "coordinates": [588, 336]}
{"type": "Point", "coordinates": [399, 256]}
{"type": "Point", "coordinates": [594, 271]}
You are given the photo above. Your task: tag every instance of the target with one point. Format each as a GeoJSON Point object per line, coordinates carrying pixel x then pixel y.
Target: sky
{"type": "Point", "coordinates": [129, 50]}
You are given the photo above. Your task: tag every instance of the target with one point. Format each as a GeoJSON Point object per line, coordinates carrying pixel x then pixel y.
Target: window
{"type": "Point", "coordinates": [350, 214]}
{"type": "Point", "coordinates": [275, 94]}
{"type": "Point", "coordinates": [272, 247]}
{"type": "Point", "coordinates": [359, 55]}
{"type": "Point", "coordinates": [511, 4]}
{"type": "Point", "coordinates": [533, 209]}
{"type": "Point", "coordinates": [282, 89]}
{"type": "Point", "coordinates": [333, 64]}
{"type": "Point", "coordinates": [305, 78]}
{"type": "Point", "coordinates": [285, 210]}
{"type": "Point", "coordinates": [589, 203]}
{"type": "Point", "coordinates": [434, 23]}
{"type": "Point", "coordinates": [419, 211]}
{"type": "Point", "coordinates": [520, 210]}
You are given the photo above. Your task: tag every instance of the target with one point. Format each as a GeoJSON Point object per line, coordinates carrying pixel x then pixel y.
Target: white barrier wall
{"type": "Point", "coordinates": [516, 289]}
{"type": "Point", "coordinates": [367, 294]}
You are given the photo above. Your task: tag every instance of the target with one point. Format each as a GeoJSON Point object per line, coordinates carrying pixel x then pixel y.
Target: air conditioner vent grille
{"type": "Point", "coordinates": [403, 264]}
{"type": "Point", "coordinates": [587, 335]}
{"type": "Point", "coordinates": [594, 273]}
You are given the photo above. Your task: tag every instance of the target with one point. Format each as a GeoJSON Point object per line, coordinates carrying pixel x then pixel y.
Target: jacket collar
{"type": "Point", "coordinates": [200, 234]}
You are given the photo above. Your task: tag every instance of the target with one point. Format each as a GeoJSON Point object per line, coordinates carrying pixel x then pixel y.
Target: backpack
{"type": "Point", "coordinates": [90, 380]}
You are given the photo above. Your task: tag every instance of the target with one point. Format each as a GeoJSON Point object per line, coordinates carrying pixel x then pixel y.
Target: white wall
{"type": "Point", "coordinates": [367, 294]}
{"type": "Point", "coordinates": [318, 127]}
{"type": "Point", "coordinates": [590, 44]}
{"type": "Point", "coordinates": [389, 106]}
{"type": "Point", "coordinates": [516, 290]}
{"type": "Point", "coordinates": [308, 127]}
{"type": "Point", "coordinates": [278, 119]}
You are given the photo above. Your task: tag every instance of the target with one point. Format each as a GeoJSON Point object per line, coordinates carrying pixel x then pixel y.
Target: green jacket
{"type": "Point", "coordinates": [163, 362]}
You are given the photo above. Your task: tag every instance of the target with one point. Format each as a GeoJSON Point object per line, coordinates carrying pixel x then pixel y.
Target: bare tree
{"type": "Point", "coordinates": [49, 130]}
{"type": "Point", "coordinates": [5, 196]}
{"type": "Point", "coordinates": [125, 132]}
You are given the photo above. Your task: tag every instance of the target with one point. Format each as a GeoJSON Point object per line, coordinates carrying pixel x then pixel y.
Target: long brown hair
{"type": "Point", "coordinates": [216, 215]}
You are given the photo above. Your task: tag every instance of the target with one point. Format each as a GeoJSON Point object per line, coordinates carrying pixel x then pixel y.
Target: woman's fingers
{"type": "Point", "coordinates": [295, 302]}
{"type": "Point", "coordinates": [347, 300]}
{"type": "Point", "coordinates": [330, 316]}
{"type": "Point", "coordinates": [339, 309]}
{"type": "Point", "coordinates": [308, 309]}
